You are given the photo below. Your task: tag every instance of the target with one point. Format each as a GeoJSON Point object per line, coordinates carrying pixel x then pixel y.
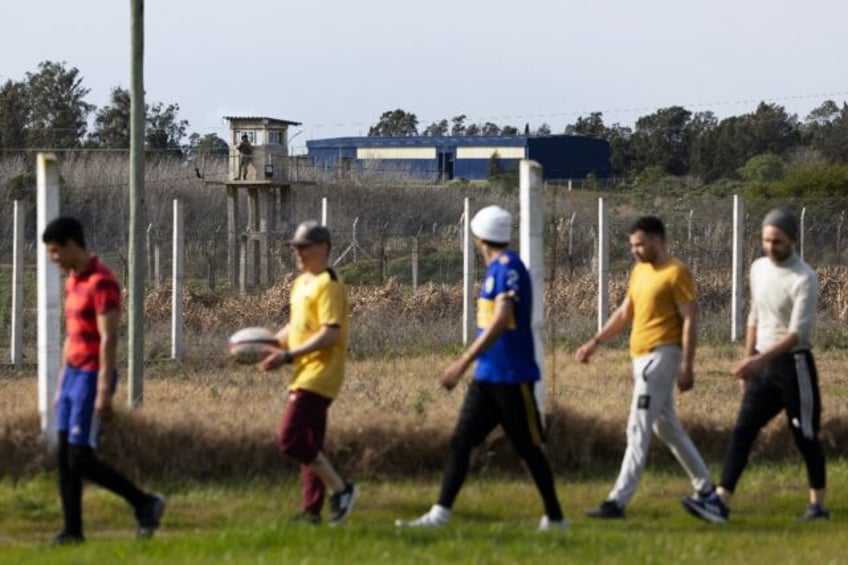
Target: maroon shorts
{"type": "Point", "coordinates": [303, 426]}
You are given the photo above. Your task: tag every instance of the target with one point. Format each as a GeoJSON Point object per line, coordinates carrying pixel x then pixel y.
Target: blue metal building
{"type": "Point", "coordinates": [454, 157]}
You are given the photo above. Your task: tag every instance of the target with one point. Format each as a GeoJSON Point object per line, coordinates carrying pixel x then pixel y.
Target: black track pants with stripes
{"type": "Point", "coordinates": [513, 407]}
{"type": "Point", "coordinates": [788, 383]}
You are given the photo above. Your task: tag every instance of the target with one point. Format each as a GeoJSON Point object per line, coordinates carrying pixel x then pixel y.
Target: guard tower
{"type": "Point", "coordinates": [265, 182]}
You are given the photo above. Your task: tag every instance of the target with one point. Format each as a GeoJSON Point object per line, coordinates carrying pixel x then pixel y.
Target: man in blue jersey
{"type": "Point", "coordinates": [501, 392]}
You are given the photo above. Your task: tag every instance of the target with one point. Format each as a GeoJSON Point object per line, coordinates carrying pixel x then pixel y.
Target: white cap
{"type": "Point", "coordinates": [492, 223]}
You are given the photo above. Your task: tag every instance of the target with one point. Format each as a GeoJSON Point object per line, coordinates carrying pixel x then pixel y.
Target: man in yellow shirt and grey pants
{"type": "Point", "coordinates": [315, 343]}
{"type": "Point", "coordinates": [661, 304]}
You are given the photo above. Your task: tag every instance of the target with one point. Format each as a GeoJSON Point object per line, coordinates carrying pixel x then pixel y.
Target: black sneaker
{"type": "Point", "coordinates": [148, 517]}
{"type": "Point", "coordinates": [815, 511]}
{"type": "Point", "coordinates": [707, 507]}
{"type": "Point", "coordinates": [306, 519]}
{"type": "Point", "coordinates": [341, 504]}
{"type": "Point", "coordinates": [608, 510]}
{"type": "Point", "coordinates": [64, 538]}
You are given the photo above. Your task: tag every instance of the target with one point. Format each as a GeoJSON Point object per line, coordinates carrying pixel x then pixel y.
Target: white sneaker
{"type": "Point", "coordinates": [548, 525]}
{"type": "Point", "coordinates": [435, 517]}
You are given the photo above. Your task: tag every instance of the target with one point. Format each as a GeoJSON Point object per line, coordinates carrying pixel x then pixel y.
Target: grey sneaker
{"type": "Point", "coordinates": [709, 507]}
{"type": "Point", "coordinates": [435, 517]}
{"type": "Point", "coordinates": [548, 525]}
{"type": "Point", "coordinates": [815, 511]}
{"type": "Point", "coordinates": [608, 510]}
{"type": "Point", "coordinates": [341, 504]}
{"type": "Point", "coordinates": [149, 516]}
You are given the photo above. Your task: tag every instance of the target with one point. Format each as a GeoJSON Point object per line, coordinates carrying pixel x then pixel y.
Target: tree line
{"type": "Point", "coordinates": [676, 141]}
{"type": "Point", "coordinates": [47, 109]}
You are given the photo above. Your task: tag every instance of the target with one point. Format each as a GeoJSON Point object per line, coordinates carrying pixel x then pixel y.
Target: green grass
{"type": "Point", "coordinates": [494, 522]}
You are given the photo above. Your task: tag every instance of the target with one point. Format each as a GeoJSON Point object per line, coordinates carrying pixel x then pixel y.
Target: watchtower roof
{"type": "Point", "coordinates": [261, 120]}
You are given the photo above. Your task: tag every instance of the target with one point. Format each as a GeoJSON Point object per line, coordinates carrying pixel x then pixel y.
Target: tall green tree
{"type": "Point", "coordinates": [458, 124]}
{"type": "Point", "coordinates": [773, 130]}
{"type": "Point", "coordinates": [164, 131]}
{"type": "Point", "coordinates": [701, 149]}
{"type": "Point", "coordinates": [59, 112]}
{"type": "Point", "coordinates": [112, 122]}
{"type": "Point", "coordinates": [622, 156]}
{"type": "Point", "coordinates": [14, 116]}
{"type": "Point", "coordinates": [207, 145]}
{"type": "Point", "coordinates": [726, 149]}
{"type": "Point", "coordinates": [826, 128]}
{"type": "Point", "coordinates": [436, 129]}
{"type": "Point", "coordinates": [660, 139]}
{"type": "Point", "coordinates": [395, 123]}
{"type": "Point", "coordinates": [590, 126]}
{"type": "Point", "coordinates": [509, 130]}
{"type": "Point", "coordinates": [490, 129]}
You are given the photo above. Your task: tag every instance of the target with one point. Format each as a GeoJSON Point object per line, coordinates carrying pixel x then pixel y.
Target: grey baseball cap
{"type": "Point", "coordinates": [308, 232]}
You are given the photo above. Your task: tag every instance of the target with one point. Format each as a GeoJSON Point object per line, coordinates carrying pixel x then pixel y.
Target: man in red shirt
{"type": "Point", "coordinates": [87, 381]}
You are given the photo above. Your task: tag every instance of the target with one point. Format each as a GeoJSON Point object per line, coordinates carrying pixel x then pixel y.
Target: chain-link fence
{"type": "Point", "coordinates": [377, 227]}
{"type": "Point", "coordinates": [412, 233]}
{"type": "Point", "coordinates": [388, 231]}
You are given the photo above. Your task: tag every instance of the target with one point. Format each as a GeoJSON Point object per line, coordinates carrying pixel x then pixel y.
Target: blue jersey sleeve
{"type": "Point", "coordinates": [507, 280]}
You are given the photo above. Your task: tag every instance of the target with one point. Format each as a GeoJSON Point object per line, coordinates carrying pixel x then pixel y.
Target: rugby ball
{"type": "Point", "coordinates": [252, 345]}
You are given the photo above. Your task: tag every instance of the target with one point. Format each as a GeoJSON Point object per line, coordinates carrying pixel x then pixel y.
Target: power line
{"type": "Point", "coordinates": [619, 110]}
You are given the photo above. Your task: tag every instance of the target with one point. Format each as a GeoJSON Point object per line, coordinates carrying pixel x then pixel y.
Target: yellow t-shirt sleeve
{"type": "Point", "coordinates": [330, 305]}
{"type": "Point", "coordinates": [683, 290]}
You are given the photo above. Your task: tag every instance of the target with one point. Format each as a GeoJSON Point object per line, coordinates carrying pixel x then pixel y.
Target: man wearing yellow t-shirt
{"type": "Point", "coordinates": [315, 343]}
{"type": "Point", "coordinates": [660, 302]}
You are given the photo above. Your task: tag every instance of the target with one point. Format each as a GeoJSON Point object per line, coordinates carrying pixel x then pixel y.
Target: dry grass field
{"type": "Point", "coordinates": [207, 418]}
{"type": "Point", "coordinates": [217, 420]}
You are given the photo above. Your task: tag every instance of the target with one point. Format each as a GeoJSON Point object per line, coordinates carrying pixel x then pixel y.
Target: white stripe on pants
{"type": "Point", "coordinates": [805, 395]}
{"type": "Point", "coordinates": [652, 407]}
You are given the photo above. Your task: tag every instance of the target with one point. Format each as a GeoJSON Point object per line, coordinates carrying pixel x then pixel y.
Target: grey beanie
{"type": "Point", "coordinates": [783, 219]}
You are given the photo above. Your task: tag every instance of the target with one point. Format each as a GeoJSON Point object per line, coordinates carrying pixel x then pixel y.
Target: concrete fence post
{"type": "Point", "coordinates": [532, 233]}
{"type": "Point", "coordinates": [469, 324]}
{"type": "Point", "coordinates": [17, 338]}
{"type": "Point", "coordinates": [737, 293]}
{"type": "Point", "coordinates": [603, 263]}
{"type": "Point", "coordinates": [49, 297]}
{"type": "Point", "coordinates": [178, 267]}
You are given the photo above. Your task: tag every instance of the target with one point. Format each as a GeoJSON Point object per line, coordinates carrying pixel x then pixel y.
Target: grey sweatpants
{"type": "Point", "coordinates": [652, 408]}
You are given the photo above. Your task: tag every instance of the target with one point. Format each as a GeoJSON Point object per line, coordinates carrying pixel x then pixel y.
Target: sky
{"type": "Point", "coordinates": [336, 66]}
